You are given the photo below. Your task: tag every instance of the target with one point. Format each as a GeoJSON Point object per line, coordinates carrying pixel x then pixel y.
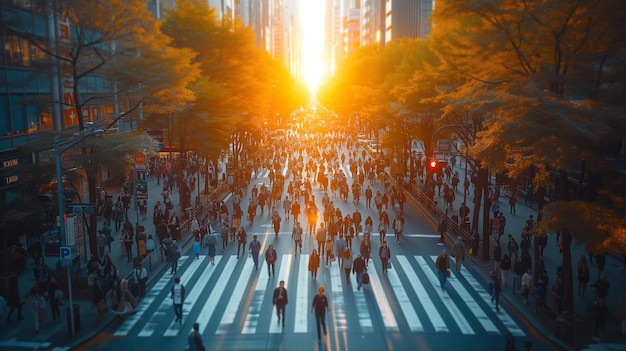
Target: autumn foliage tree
{"type": "Point", "coordinates": [546, 74]}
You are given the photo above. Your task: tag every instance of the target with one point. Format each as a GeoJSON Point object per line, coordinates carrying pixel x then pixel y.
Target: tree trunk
{"type": "Point", "coordinates": [481, 192]}
{"type": "Point", "coordinates": [566, 265]}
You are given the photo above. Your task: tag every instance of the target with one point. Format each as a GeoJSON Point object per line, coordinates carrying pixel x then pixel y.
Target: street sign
{"type": "Point", "coordinates": [141, 160]}
{"type": "Point", "coordinates": [66, 256]}
{"type": "Point", "coordinates": [141, 188]}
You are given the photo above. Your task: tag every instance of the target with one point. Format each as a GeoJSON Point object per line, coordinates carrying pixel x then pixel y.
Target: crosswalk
{"type": "Point", "coordinates": [232, 297]}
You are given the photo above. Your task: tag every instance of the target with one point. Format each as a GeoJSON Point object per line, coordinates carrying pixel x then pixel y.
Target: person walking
{"type": "Point", "coordinates": [442, 228]}
{"type": "Point", "coordinates": [385, 255]}
{"type": "Point", "coordinates": [494, 288]}
{"type": "Point", "coordinates": [497, 255]}
{"type": "Point", "coordinates": [270, 259]}
{"type": "Point", "coordinates": [314, 263]}
{"type": "Point", "coordinates": [583, 275]}
{"type": "Point", "coordinates": [210, 242]}
{"type": "Point", "coordinates": [128, 244]}
{"type": "Point", "coordinates": [512, 247]}
{"type": "Point", "coordinates": [340, 246]}
{"type": "Point", "coordinates": [15, 303]}
{"type": "Point", "coordinates": [443, 266]}
{"type": "Point", "coordinates": [178, 299]}
{"type": "Point", "coordinates": [458, 252]}
{"type": "Point", "coordinates": [196, 246]}
{"type": "Point", "coordinates": [38, 306]}
{"type": "Point", "coordinates": [320, 307]}
{"type": "Point", "coordinates": [527, 281]}
{"type": "Point", "coordinates": [242, 239]}
{"type": "Point", "coordinates": [255, 249]}
{"type": "Point", "coordinates": [296, 235]}
{"type": "Point", "coordinates": [280, 300]}
{"type": "Point", "coordinates": [505, 266]}
{"type": "Point", "coordinates": [140, 279]}
{"type": "Point", "coordinates": [346, 264]}
{"type": "Point", "coordinates": [53, 298]}
{"type": "Point", "coordinates": [358, 268]}
{"type": "Point", "coordinates": [366, 248]}
{"type": "Point", "coordinates": [173, 256]}
{"type": "Point", "coordinates": [330, 251]}
{"type": "Point", "coordinates": [601, 314]}
{"type": "Point", "coordinates": [194, 340]}
{"type": "Point", "coordinates": [321, 238]}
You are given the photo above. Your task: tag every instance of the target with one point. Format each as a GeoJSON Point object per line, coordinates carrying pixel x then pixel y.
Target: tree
{"type": "Point", "coordinates": [546, 74]}
{"type": "Point", "coordinates": [119, 43]}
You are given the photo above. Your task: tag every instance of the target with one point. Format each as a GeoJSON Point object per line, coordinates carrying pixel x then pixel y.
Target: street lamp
{"type": "Point", "coordinates": [58, 150]}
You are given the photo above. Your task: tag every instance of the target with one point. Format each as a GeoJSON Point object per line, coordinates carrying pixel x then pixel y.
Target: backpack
{"type": "Point", "coordinates": [366, 278]}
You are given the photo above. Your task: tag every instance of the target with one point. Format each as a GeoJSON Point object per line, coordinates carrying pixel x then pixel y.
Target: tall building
{"type": "Point", "coordinates": [372, 22]}
{"type": "Point", "coordinates": [407, 18]}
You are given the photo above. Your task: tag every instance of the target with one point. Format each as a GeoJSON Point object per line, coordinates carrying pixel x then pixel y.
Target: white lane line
{"type": "Point", "coordinates": [216, 294]}
{"type": "Point", "coordinates": [283, 274]}
{"type": "Point", "coordinates": [422, 295]}
{"type": "Point", "coordinates": [339, 314]}
{"type": "Point", "coordinates": [403, 300]}
{"type": "Point", "coordinates": [506, 319]}
{"type": "Point", "coordinates": [236, 297]}
{"type": "Point", "coordinates": [252, 316]}
{"type": "Point", "coordinates": [365, 321]}
{"type": "Point", "coordinates": [381, 298]}
{"type": "Point", "coordinates": [166, 305]}
{"type": "Point", "coordinates": [456, 314]}
{"type": "Point", "coordinates": [193, 296]}
{"type": "Point", "coordinates": [302, 303]}
{"type": "Point", "coordinates": [426, 236]}
{"type": "Point", "coordinates": [132, 319]}
{"type": "Point", "coordinates": [470, 301]}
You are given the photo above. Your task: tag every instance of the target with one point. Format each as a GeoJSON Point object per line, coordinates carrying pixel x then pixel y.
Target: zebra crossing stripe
{"type": "Point", "coordinates": [285, 267]}
{"type": "Point", "coordinates": [365, 321]}
{"type": "Point", "coordinates": [381, 299]}
{"type": "Point", "coordinates": [506, 319]}
{"type": "Point", "coordinates": [166, 304]}
{"type": "Point", "coordinates": [447, 301]}
{"type": "Point", "coordinates": [252, 317]}
{"type": "Point", "coordinates": [338, 312]}
{"type": "Point", "coordinates": [302, 303]}
{"type": "Point", "coordinates": [236, 296]}
{"type": "Point", "coordinates": [143, 305]}
{"type": "Point", "coordinates": [422, 296]}
{"type": "Point", "coordinates": [403, 300]}
{"type": "Point", "coordinates": [477, 311]}
{"type": "Point", "coordinates": [216, 294]}
{"type": "Point", "coordinates": [193, 296]}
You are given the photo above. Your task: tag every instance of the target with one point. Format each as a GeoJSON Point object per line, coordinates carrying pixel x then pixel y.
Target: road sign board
{"type": "Point", "coordinates": [66, 256]}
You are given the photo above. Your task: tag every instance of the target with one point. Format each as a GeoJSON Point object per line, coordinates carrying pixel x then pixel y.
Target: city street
{"type": "Point", "coordinates": [233, 302]}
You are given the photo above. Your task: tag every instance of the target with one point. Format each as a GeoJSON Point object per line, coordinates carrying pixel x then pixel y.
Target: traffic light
{"type": "Point", "coordinates": [433, 165]}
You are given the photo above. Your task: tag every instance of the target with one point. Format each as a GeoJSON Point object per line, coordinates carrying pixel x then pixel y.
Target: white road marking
{"type": "Point", "coordinates": [381, 298]}
{"type": "Point", "coordinates": [285, 267]}
{"type": "Point", "coordinates": [236, 297]}
{"type": "Point", "coordinates": [300, 324]}
{"type": "Point", "coordinates": [403, 300]}
{"type": "Point", "coordinates": [338, 313]}
{"type": "Point", "coordinates": [216, 294]}
{"type": "Point", "coordinates": [447, 301]}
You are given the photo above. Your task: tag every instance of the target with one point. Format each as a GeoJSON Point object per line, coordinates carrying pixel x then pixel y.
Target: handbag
{"type": "Point", "coordinates": [389, 265]}
{"type": "Point", "coordinates": [448, 273]}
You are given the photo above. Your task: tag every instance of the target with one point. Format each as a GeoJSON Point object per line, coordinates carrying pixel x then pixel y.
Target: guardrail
{"type": "Point", "coordinates": [158, 255]}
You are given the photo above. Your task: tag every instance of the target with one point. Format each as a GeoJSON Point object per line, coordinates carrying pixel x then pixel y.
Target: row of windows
{"type": "Point", "coordinates": [24, 113]}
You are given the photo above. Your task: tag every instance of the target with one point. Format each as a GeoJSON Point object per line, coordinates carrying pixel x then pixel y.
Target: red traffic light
{"type": "Point", "coordinates": [433, 164]}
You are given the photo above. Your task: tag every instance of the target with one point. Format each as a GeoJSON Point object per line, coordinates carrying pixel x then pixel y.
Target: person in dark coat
{"type": "Point", "coordinates": [15, 303]}
{"type": "Point", "coordinates": [280, 300]}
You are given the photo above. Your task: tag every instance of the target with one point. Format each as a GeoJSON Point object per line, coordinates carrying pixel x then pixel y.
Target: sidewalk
{"type": "Point", "coordinates": [21, 334]}
{"type": "Point", "coordinates": [545, 322]}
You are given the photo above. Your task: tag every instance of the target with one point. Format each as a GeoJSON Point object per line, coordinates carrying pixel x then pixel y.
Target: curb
{"type": "Point", "coordinates": [111, 318]}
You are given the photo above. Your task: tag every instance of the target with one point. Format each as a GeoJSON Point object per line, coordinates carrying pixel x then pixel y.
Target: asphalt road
{"type": "Point", "coordinates": [402, 310]}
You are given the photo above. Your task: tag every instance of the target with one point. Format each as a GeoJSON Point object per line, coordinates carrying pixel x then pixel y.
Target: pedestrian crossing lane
{"type": "Point", "coordinates": [248, 308]}
{"type": "Point", "coordinates": [285, 268]}
{"type": "Point", "coordinates": [302, 296]}
{"type": "Point", "coordinates": [166, 305]}
{"type": "Point", "coordinates": [228, 318]}
{"type": "Point", "coordinates": [212, 302]}
{"type": "Point", "coordinates": [141, 309]}
{"type": "Point", "coordinates": [470, 301]}
{"type": "Point", "coordinates": [193, 295]}
{"type": "Point", "coordinates": [389, 320]}
{"type": "Point", "coordinates": [449, 303]}
{"type": "Point", "coordinates": [415, 325]}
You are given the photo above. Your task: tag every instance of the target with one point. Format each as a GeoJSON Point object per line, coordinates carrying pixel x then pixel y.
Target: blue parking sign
{"type": "Point", "coordinates": [66, 256]}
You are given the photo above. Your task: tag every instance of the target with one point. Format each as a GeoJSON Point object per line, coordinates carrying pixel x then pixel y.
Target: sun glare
{"type": "Point", "coordinates": [312, 21]}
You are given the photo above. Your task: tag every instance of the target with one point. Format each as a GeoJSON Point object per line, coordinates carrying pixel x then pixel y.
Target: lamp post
{"type": "Point", "coordinates": [58, 151]}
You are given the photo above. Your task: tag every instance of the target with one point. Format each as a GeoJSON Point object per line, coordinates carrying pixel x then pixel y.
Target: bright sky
{"type": "Point", "coordinates": [312, 21]}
